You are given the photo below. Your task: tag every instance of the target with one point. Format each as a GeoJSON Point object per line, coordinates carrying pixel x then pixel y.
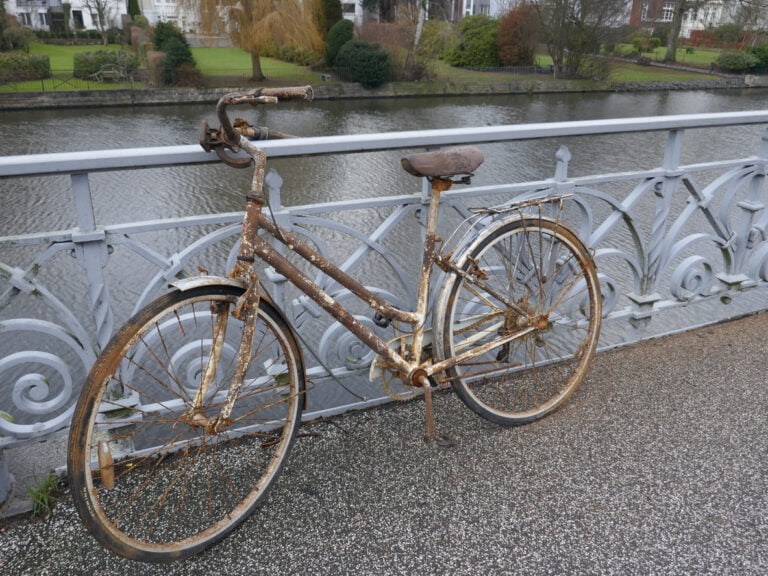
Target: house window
{"type": "Point", "coordinates": [26, 18]}
{"type": "Point", "coordinates": [667, 11]}
{"type": "Point", "coordinates": [644, 13]}
{"type": "Point", "coordinates": [44, 18]}
{"type": "Point", "coordinates": [77, 19]}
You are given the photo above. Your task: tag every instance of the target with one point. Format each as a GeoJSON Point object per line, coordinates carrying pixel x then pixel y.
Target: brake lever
{"type": "Point", "coordinates": [212, 139]}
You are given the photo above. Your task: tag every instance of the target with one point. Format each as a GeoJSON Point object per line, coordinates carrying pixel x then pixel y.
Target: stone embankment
{"type": "Point", "coordinates": [334, 90]}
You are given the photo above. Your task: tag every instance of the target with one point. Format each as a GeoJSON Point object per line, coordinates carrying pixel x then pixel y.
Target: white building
{"type": "Point", "coordinates": [50, 14]}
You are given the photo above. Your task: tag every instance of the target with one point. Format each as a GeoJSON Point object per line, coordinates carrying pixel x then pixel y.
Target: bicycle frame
{"type": "Point", "coordinates": [412, 371]}
{"type": "Point", "coordinates": [253, 244]}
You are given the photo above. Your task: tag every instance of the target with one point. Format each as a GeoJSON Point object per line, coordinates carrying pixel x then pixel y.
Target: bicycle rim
{"type": "Point", "coordinates": [543, 270]}
{"type": "Point", "coordinates": [163, 486]}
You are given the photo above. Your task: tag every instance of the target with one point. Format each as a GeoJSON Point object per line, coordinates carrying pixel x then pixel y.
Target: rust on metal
{"type": "Point", "coordinates": [326, 267]}
{"type": "Point", "coordinates": [221, 311]}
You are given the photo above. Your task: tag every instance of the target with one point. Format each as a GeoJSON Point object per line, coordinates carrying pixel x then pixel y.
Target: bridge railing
{"type": "Point", "coordinates": [677, 245]}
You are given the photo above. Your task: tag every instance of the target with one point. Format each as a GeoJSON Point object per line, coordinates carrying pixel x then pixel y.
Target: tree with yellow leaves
{"type": "Point", "coordinates": [259, 25]}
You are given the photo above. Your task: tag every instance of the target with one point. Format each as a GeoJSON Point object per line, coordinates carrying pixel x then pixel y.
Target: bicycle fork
{"type": "Point", "coordinates": [245, 311]}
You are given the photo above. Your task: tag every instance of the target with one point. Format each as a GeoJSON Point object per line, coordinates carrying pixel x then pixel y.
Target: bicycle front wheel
{"type": "Point", "coordinates": [533, 278]}
{"type": "Point", "coordinates": [153, 483]}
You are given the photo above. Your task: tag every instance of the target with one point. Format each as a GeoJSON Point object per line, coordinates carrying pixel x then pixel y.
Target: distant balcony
{"type": "Point", "coordinates": [39, 4]}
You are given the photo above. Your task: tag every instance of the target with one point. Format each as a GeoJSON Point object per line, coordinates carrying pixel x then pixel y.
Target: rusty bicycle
{"type": "Point", "coordinates": [188, 415]}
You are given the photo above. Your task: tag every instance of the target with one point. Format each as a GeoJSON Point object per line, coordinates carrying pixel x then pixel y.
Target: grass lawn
{"type": "Point", "coordinates": [222, 65]}
{"type": "Point", "coordinates": [62, 57]}
{"type": "Point", "coordinates": [629, 72]}
{"type": "Point", "coordinates": [62, 66]}
{"type": "Point", "coordinates": [699, 57]}
{"type": "Point", "coordinates": [232, 67]}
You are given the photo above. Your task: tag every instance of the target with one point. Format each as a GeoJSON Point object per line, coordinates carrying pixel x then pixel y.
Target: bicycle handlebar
{"type": "Point", "coordinates": [229, 135]}
{"type": "Point", "coordinates": [254, 98]}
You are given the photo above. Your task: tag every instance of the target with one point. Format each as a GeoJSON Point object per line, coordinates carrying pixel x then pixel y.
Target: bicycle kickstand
{"type": "Point", "coordinates": [439, 441]}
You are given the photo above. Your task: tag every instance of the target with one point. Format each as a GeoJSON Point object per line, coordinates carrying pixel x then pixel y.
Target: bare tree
{"type": "Point", "coordinates": [752, 15]}
{"type": "Point", "coordinates": [573, 28]}
{"type": "Point", "coordinates": [255, 25]}
{"type": "Point", "coordinates": [680, 9]}
{"type": "Point", "coordinates": [102, 14]}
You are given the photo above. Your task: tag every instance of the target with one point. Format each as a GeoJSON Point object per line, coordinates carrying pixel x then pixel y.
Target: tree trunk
{"type": "Point", "coordinates": [674, 31]}
{"type": "Point", "coordinates": [411, 56]}
{"type": "Point", "coordinates": [256, 72]}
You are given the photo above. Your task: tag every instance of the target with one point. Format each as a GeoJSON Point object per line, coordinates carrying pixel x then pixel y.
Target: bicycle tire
{"type": "Point", "coordinates": [542, 267]}
{"type": "Point", "coordinates": [177, 487]}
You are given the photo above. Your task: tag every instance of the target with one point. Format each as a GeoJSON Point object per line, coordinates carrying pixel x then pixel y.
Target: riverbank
{"type": "Point", "coordinates": [340, 90]}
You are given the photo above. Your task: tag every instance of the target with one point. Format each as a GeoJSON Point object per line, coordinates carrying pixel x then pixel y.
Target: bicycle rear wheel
{"type": "Point", "coordinates": [149, 482]}
{"type": "Point", "coordinates": [546, 275]}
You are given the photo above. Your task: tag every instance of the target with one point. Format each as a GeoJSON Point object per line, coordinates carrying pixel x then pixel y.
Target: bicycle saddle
{"type": "Point", "coordinates": [444, 163]}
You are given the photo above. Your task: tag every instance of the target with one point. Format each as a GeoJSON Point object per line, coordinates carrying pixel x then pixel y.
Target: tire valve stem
{"type": "Point", "coordinates": [106, 465]}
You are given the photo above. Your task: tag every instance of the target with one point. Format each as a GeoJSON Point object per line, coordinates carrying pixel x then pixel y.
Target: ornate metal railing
{"type": "Point", "coordinates": [667, 238]}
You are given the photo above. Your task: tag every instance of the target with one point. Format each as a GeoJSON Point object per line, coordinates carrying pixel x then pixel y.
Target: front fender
{"type": "Point", "coordinates": [193, 282]}
{"type": "Point", "coordinates": [197, 281]}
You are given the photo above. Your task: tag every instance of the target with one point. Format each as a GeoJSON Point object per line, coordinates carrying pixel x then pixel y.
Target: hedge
{"type": "Point", "coordinates": [87, 63]}
{"type": "Point", "coordinates": [25, 66]}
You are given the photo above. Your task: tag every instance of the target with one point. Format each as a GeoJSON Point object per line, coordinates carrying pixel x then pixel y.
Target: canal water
{"type": "Point", "coordinates": [32, 204]}
{"type": "Point", "coordinates": [45, 203]}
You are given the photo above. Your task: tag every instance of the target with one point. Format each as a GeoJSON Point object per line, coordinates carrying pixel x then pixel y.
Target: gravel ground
{"type": "Point", "coordinates": [657, 465]}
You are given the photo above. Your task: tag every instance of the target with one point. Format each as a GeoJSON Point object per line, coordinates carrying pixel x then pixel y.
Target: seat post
{"type": "Point", "coordinates": [438, 185]}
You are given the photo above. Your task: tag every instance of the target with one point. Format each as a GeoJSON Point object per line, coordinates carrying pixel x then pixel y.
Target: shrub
{"type": "Point", "coordinates": [662, 33]}
{"type": "Point", "coordinates": [339, 34]}
{"type": "Point", "coordinates": [436, 38]}
{"type": "Point", "coordinates": [327, 13]}
{"type": "Point", "coordinates": [476, 45]}
{"type": "Point", "coordinates": [738, 61]}
{"type": "Point", "coordinates": [134, 10]}
{"type": "Point", "coordinates": [646, 44]}
{"type": "Point", "coordinates": [761, 53]}
{"type": "Point", "coordinates": [24, 66]}
{"type": "Point", "coordinates": [359, 61]}
{"type": "Point", "coordinates": [186, 75]}
{"type": "Point", "coordinates": [87, 63]}
{"type": "Point", "coordinates": [163, 32]}
{"type": "Point", "coordinates": [168, 39]}
{"type": "Point", "coordinates": [290, 53]}
{"type": "Point", "coordinates": [596, 68]}
{"type": "Point", "coordinates": [18, 38]}
{"type": "Point", "coordinates": [518, 35]}
{"type": "Point", "coordinates": [177, 53]}
{"type": "Point", "coordinates": [729, 33]}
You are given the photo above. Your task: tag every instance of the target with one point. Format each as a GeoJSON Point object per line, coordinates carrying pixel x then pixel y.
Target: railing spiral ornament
{"type": "Point", "coordinates": [43, 386]}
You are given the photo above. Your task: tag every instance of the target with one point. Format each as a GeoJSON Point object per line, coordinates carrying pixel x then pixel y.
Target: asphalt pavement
{"type": "Point", "coordinates": [657, 465]}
